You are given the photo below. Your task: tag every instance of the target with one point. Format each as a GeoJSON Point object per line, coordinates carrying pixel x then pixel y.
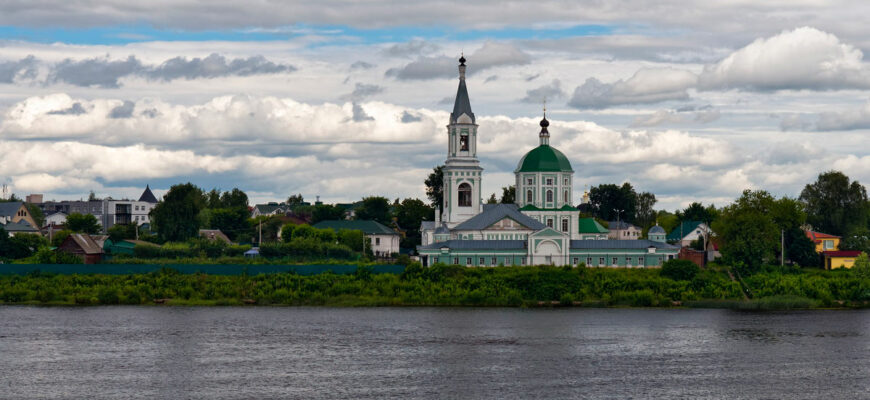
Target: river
{"type": "Point", "coordinates": [406, 353]}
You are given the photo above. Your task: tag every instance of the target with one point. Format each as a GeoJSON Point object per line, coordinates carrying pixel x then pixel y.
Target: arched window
{"type": "Point", "coordinates": [464, 195]}
{"type": "Point", "coordinates": [564, 225]}
{"type": "Point", "coordinates": [549, 196]}
{"type": "Point", "coordinates": [529, 196]}
{"type": "Point", "coordinates": [566, 197]}
{"type": "Point", "coordinates": [463, 142]}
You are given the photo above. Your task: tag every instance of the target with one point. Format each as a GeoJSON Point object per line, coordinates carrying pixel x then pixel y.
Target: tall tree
{"type": "Point", "coordinates": [409, 214]}
{"type": "Point", "coordinates": [375, 208]}
{"type": "Point", "coordinates": [295, 200]}
{"type": "Point", "coordinates": [834, 204]}
{"type": "Point", "coordinates": [747, 231]}
{"type": "Point", "coordinates": [435, 186]}
{"type": "Point", "coordinates": [213, 198]}
{"type": "Point", "coordinates": [508, 194]}
{"type": "Point", "coordinates": [646, 214]}
{"type": "Point", "coordinates": [175, 218]}
{"type": "Point", "coordinates": [492, 199]}
{"type": "Point", "coordinates": [234, 199]}
{"type": "Point", "coordinates": [610, 202]}
{"type": "Point", "coordinates": [82, 223]}
{"type": "Point", "coordinates": [37, 215]}
{"type": "Point", "coordinates": [697, 212]}
{"type": "Point", "coordinates": [326, 212]}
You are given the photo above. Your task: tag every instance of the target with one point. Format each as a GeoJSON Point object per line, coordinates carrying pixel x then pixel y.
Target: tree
{"type": "Point", "coordinates": [213, 198]}
{"type": "Point", "coordinates": [606, 199]}
{"type": "Point", "coordinates": [435, 186]}
{"type": "Point", "coordinates": [375, 208]}
{"type": "Point", "coordinates": [92, 196]}
{"type": "Point", "coordinates": [800, 249]}
{"type": "Point", "coordinates": [37, 214]}
{"type": "Point", "coordinates": [508, 194]}
{"type": "Point", "coordinates": [326, 212]}
{"type": "Point", "coordinates": [295, 200]}
{"type": "Point", "coordinates": [175, 218]}
{"type": "Point", "coordinates": [646, 214]}
{"type": "Point", "coordinates": [232, 221]}
{"type": "Point", "coordinates": [492, 199]}
{"type": "Point", "coordinates": [834, 204]}
{"type": "Point", "coordinates": [409, 214]}
{"type": "Point", "coordinates": [82, 223]}
{"type": "Point", "coordinates": [697, 212]}
{"type": "Point", "coordinates": [234, 199]}
{"type": "Point", "coordinates": [856, 239]}
{"type": "Point", "coordinates": [747, 231]}
{"type": "Point", "coordinates": [680, 270]}
{"type": "Point", "coordinates": [122, 231]}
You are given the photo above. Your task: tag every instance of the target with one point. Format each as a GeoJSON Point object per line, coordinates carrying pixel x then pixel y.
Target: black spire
{"type": "Point", "coordinates": [147, 196]}
{"type": "Point", "coordinates": [462, 59]}
{"type": "Point", "coordinates": [462, 104]}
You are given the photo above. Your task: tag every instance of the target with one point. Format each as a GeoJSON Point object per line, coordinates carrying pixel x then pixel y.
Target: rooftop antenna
{"type": "Point", "coordinates": [5, 191]}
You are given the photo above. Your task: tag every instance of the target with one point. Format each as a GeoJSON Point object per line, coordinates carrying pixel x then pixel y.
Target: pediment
{"type": "Point", "coordinates": [507, 224]}
{"type": "Point", "coordinates": [548, 232]}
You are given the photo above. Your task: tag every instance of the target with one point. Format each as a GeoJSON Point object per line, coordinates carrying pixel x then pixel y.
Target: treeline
{"type": "Point", "coordinates": [445, 285]}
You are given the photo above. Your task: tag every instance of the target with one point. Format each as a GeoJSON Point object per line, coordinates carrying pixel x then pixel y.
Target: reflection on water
{"type": "Point", "coordinates": [313, 353]}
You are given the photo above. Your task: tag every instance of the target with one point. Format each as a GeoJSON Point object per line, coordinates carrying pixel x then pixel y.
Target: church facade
{"type": "Point", "coordinates": [542, 227]}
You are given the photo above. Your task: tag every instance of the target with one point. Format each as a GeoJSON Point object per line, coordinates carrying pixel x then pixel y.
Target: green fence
{"type": "Point", "coordinates": [211, 269]}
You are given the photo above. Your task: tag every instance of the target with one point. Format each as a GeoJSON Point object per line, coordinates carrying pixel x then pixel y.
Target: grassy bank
{"type": "Point", "coordinates": [448, 286]}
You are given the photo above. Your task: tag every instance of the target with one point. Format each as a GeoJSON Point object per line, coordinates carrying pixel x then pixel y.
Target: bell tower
{"type": "Point", "coordinates": [462, 171]}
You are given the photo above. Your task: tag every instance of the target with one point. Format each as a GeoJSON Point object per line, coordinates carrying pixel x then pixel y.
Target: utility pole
{"type": "Point", "coordinates": [260, 228]}
{"type": "Point", "coordinates": [781, 247]}
{"type": "Point", "coordinates": [617, 223]}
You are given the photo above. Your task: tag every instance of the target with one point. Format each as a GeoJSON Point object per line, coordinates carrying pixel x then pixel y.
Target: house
{"type": "Point", "coordinates": [823, 241]}
{"type": "Point", "coordinates": [20, 227]}
{"type": "Point", "coordinates": [384, 241]}
{"type": "Point", "coordinates": [108, 211]}
{"type": "Point", "coordinates": [269, 209]}
{"type": "Point", "coordinates": [214, 234]}
{"type": "Point", "coordinates": [83, 246]}
{"type": "Point", "coordinates": [689, 231]}
{"type": "Point", "coordinates": [56, 218]}
{"type": "Point", "coordinates": [621, 230]}
{"type": "Point", "coordinates": [840, 258]}
{"type": "Point", "coordinates": [15, 211]}
{"type": "Point", "coordinates": [590, 229]}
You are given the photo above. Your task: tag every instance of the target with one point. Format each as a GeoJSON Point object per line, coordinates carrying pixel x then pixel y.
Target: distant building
{"type": "Point", "coordinates": [840, 258]}
{"type": "Point", "coordinates": [20, 227]}
{"type": "Point", "coordinates": [83, 246]}
{"type": "Point", "coordinates": [590, 229]}
{"type": "Point", "coordinates": [823, 241]}
{"type": "Point", "coordinates": [33, 199]}
{"type": "Point", "coordinates": [108, 211]}
{"type": "Point", "coordinates": [657, 234]}
{"type": "Point", "coordinates": [214, 234]}
{"type": "Point", "coordinates": [269, 209]}
{"type": "Point", "coordinates": [385, 241]}
{"type": "Point", "coordinates": [689, 231]}
{"type": "Point", "coordinates": [621, 230]}
{"type": "Point", "coordinates": [15, 211]}
{"type": "Point", "coordinates": [56, 218]}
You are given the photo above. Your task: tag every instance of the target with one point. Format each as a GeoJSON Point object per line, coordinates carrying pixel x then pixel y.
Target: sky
{"type": "Point", "coordinates": [692, 101]}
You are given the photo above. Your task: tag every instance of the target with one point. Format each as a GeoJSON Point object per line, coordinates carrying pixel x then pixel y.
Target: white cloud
{"type": "Point", "coordinates": [647, 85]}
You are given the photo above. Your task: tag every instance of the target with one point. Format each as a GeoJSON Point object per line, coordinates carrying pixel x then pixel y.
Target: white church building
{"type": "Point", "coordinates": [542, 227]}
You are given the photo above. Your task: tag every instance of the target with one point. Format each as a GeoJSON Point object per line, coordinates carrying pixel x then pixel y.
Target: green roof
{"type": "Point", "coordinates": [529, 207]}
{"type": "Point", "coordinates": [687, 228]}
{"type": "Point", "coordinates": [544, 159]}
{"type": "Point", "coordinates": [590, 225]}
{"type": "Point", "coordinates": [368, 227]}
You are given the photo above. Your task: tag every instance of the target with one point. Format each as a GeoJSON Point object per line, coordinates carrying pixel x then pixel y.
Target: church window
{"type": "Point", "coordinates": [566, 181]}
{"type": "Point", "coordinates": [550, 222]}
{"type": "Point", "coordinates": [464, 195]}
{"type": "Point", "coordinates": [549, 196]}
{"type": "Point", "coordinates": [550, 181]}
{"type": "Point", "coordinates": [600, 261]}
{"type": "Point", "coordinates": [529, 196]}
{"type": "Point", "coordinates": [614, 261]}
{"type": "Point", "coordinates": [588, 261]}
{"type": "Point", "coordinates": [576, 260]}
{"type": "Point", "coordinates": [564, 225]}
{"type": "Point", "coordinates": [455, 260]}
{"type": "Point", "coordinates": [468, 261]}
{"type": "Point", "coordinates": [566, 196]}
{"type": "Point", "coordinates": [482, 261]}
{"type": "Point", "coordinates": [463, 143]}
{"type": "Point", "coordinates": [494, 261]}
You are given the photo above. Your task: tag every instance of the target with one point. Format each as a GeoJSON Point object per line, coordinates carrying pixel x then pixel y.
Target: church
{"type": "Point", "coordinates": [542, 227]}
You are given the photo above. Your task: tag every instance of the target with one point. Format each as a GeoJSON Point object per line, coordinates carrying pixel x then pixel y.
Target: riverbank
{"type": "Point", "coordinates": [450, 286]}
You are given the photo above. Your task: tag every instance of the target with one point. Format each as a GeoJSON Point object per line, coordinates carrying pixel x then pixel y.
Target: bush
{"type": "Point", "coordinates": [679, 270]}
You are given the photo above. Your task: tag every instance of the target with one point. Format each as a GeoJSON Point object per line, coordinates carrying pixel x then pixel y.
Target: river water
{"type": "Point", "coordinates": [405, 353]}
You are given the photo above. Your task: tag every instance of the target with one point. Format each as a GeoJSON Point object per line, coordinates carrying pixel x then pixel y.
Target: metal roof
{"type": "Point", "coordinates": [657, 230]}
{"type": "Point", "coordinates": [495, 213]}
{"type": "Point", "coordinates": [9, 208]}
{"type": "Point", "coordinates": [687, 228]}
{"type": "Point", "coordinates": [147, 196]}
{"type": "Point", "coordinates": [620, 244]}
{"type": "Point", "coordinates": [368, 227]}
{"type": "Point", "coordinates": [590, 225]}
{"type": "Point", "coordinates": [462, 104]}
{"type": "Point", "coordinates": [544, 159]}
{"type": "Point", "coordinates": [477, 245]}
{"type": "Point", "coordinates": [618, 225]}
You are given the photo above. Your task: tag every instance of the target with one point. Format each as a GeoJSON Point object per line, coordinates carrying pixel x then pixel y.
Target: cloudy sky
{"type": "Point", "coordinates": [343, 100]}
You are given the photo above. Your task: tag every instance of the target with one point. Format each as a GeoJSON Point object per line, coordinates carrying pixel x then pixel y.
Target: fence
{"type": "Point", "coordinates": [210, 269]}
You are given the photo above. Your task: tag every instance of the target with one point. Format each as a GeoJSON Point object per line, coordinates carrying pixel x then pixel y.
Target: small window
{"type": "Point", "coordinates": [576, 260]}
{"type": "Point", "coordinates": [377, 241]}
{"type": "Point", "coordinates": [529, 196]}
{"type": "Point", "coordinates": [550, 222]}
{"type": "Point", "coordinates": [523, 261]}
{"type": "Point", "coordinates": [550, 181]}
{"type": "Point", "coordinates": [549, 196]}
{"type": "Point", "coordinates": [494, 261]}
{"type": "Point", "coordinates": [463, 142]}
{"type": "Point", "coordinates": [628, 261]}
{"type": "Point", "coordinates": [566, 197]}
{"type": "Point", "coordinates": [464, 195]}
{"type": "Point", "coordinates": [601, 261]}
{"type": "Point", "coordinates": [468, 261]}
{"type": "Point", "coordinates": [529, 181]}
{"type": "Point", "coordinates": [456, 260]}
{"type": "Point", "coordinates": [434, 260]}
{"type": "Point", "coordinates": [482, 261]}
{"type": "Point", "coordinates": [640, 261]}
{"type": "Point", "coordinates": [565, 226]}
{"type": "Point", "coordinates": [588, 261]}
{"type": "Point", "coordinates": [566, 181]}
{"type": "Point", "coordinates": [829, 244]}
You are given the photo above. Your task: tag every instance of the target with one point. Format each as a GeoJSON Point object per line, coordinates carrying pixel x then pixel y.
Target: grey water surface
{"type": "Point", "coordinates": [407, 353]}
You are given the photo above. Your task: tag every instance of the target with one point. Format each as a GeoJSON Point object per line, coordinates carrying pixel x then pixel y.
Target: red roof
{"type": "Point", "coordinates": [842, 253]}
{"type": "Point", "coordinates": [815, 236]}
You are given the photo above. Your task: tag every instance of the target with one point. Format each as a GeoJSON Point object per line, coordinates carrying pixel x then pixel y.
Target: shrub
{"type": "Point", "coordinates": [679, 270]}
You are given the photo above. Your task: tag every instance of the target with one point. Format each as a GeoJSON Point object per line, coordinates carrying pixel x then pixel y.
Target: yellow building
{"type": "Point", "coordinates": [823, 241]}
{"type": "Point", "coordinates": [840, 259]}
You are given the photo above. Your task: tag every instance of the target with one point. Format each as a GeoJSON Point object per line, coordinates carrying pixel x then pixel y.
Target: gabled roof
{"type": "Point", "coordinates": [20, 226]}
{"type": "Point", "coordinates": [214, 234]}
{"type": "Point", "coordinates": [620, 244]}
{"type": "Point", "coordinates": [9, 208]}
{"type": "Point", "coordinates": [687, 228]}
{"type": "Point", "coordinates": [590, 225]}
{"type": "Point", "coordinates": [816, 236]}
{"type": "Point", "coordinates": [268, 208]}
{"type": "Point", "coordinates": [842, 253]}
{"type": "Point", "coordinates": [147, 196]}
{"type": "Point", "coordinates": [477, 245]}
{"type": "Point", "coordinates": [495, 213]}
{"type": "Point", "coordinates": [86, 243]}
{"type": "Point", "coordinates": [368, 227]}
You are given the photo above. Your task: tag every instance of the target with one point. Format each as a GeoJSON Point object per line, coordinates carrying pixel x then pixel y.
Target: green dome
{"type": "Point", "coordinates": [544, 159]}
